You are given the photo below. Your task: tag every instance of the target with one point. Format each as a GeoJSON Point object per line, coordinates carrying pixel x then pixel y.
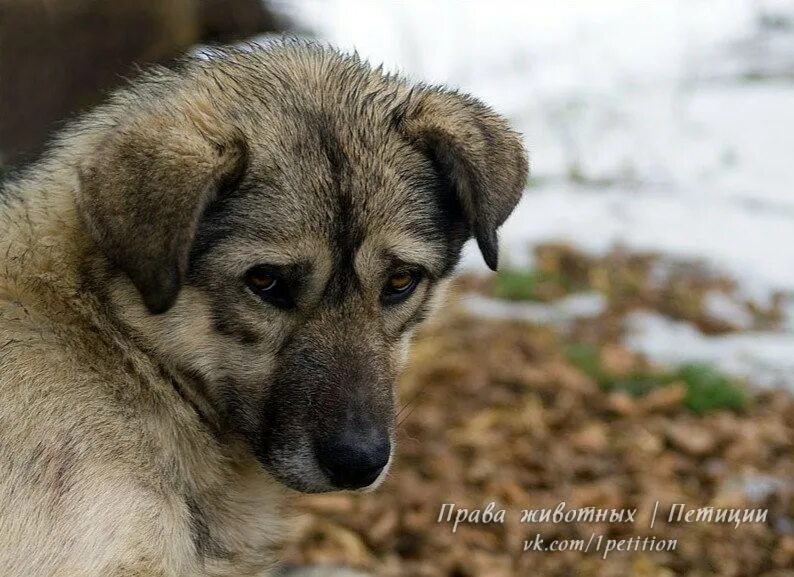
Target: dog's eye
{"type": "Point", "coordinates": [266, 284]}
{"type": "Point", "coordinates": [261, 280]}
{"type": "Point", "coordinates": [399, 286]}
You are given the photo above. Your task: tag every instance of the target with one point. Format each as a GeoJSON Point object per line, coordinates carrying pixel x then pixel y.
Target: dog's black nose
{"type": "Point", "coordinates": [354, 458]}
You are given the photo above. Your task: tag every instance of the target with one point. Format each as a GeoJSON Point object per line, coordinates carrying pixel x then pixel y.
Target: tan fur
{"type": "Point", "coordinates": [119, 456]}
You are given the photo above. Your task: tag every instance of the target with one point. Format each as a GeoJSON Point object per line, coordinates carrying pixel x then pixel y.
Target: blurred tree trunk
{"type": "Point", "coordinates": [58, 57]}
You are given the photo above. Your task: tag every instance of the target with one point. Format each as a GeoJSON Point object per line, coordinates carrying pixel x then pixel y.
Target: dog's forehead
{"type": "Point", "coordinates": [330, 176]}
{"type": "Point", "coordinates": [331, 184]}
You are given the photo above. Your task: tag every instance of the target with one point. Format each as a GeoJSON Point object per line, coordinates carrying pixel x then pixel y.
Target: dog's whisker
{"type": "Point", "coordinates": [409, 403]}
{"type": "Point", "coordinates": [405, 418]}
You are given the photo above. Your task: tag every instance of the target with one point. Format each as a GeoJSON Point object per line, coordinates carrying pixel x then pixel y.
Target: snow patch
{"type": "Point", "coordinates": [764, 357]}
{"type": "Point", "coordinates": [558, 313]}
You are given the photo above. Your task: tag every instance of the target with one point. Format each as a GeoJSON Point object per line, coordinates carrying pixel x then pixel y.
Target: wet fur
{"type": "Point", "coordinates": [151, 409]}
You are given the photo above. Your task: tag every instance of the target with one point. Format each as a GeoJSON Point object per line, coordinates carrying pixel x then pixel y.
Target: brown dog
{"type": "Point", "coordinates": [207, 288]}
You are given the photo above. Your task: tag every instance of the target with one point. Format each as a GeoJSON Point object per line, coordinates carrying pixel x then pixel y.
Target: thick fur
{"type": "Point", "coordinates": [155, 413]}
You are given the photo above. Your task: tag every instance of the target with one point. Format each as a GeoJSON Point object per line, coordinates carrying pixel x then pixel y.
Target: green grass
{"type": "Point", "coordinates": [531, 285]}
{"type": "Point", "coordinates": [707, 389]}
{"type": "Point", "coordinates": [517, 285]}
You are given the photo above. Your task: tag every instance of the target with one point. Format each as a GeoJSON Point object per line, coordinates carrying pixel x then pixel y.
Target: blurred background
{"type": "Point", "coordinates": [637, 345]}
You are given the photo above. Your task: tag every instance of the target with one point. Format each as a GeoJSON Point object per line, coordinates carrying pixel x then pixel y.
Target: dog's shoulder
{"type": "Point", "coordinates": [94, 434]}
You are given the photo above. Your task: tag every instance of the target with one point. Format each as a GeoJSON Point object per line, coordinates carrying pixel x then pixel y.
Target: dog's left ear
{"type": "Point", "coordinates": [475, 151]}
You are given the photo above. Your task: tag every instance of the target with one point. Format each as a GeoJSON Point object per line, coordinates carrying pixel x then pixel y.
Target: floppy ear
{"type": "Point", "coordinates": [144, 190]}
{"type": "Point", "coordinates": [476, 152]}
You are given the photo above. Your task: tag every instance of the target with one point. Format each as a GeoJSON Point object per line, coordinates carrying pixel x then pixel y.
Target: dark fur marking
{"type": "Point", "coordinates": [215, 224]}
{"type": "Point", "coordinates": [346, 238]}
{"type": "Point", "coordinates": [419, 315]}
{"type": "Point", "coordinates": [331, 147]}
{"type": "Point", "coordinates": [345, 231]}
{"type": "Point", "coordinates": [230, 327]}
{"type": "Point", "coordinates": [198, 385]}
{"type": "Point", "coordinates": [206, 545]}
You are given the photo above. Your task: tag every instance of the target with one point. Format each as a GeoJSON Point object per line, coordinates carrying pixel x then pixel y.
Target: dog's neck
{"type": "Point", "coordinates": [54, 270]}
{"type": "Point", "coordinates": [42, 242]}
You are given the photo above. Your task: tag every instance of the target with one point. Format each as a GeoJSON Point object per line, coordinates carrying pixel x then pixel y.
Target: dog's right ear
{"type": "Point", "coordinates": [475, 152]}
{"type": "Point", "coordinates": [145, 188]}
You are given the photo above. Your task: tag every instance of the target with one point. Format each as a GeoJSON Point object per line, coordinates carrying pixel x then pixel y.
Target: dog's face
{"type": "Point", "coordinates": [287, 234]}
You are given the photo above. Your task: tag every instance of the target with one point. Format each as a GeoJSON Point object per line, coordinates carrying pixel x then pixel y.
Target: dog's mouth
{"type": "Point", "coordinates": [333, 436]}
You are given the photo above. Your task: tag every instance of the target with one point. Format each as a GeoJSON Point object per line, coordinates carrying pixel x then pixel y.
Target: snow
{"type": "Point", "coordinates": [647, 104]}
{"type": "Point", "coordinates": [766, 359]}
{"type": "Point", "coordinates": [720, 306]}
{"type": "Point", "coordinates": [558, 313]}
{"type": "Point", "coordinates": [663, 126]}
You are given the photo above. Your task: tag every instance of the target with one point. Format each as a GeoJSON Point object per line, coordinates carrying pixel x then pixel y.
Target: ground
{"type": "Point", "coordinates": [639, 345]}
{"type": "Point", "coordinates": [659, 126]}
{"type": "Point", "coordinates": [529, 414]}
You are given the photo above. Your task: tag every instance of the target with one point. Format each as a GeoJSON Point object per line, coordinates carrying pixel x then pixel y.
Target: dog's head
{"type": "Point", "coordinates": [286, 217]}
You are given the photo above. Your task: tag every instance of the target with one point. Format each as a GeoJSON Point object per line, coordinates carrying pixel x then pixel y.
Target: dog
{"type": "Point", "coordinates": [207, 287]}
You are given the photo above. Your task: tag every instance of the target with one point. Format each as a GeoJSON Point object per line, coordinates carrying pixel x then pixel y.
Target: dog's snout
{"type": "Point", "coordinates": [354, 458]}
